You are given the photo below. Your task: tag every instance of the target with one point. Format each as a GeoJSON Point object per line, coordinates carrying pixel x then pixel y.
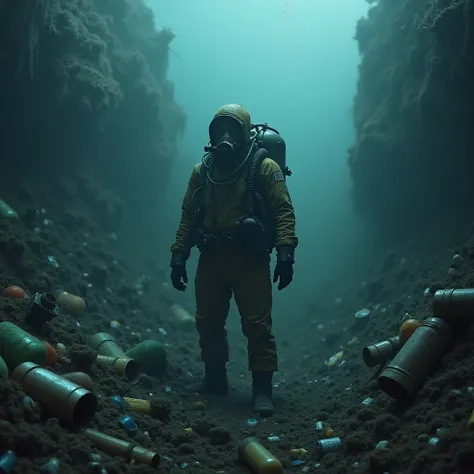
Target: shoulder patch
{"type": "Point", "coordinates": [278, 176]}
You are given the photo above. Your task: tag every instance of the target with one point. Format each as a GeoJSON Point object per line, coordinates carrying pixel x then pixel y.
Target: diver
{"type": "Point", "coordinates": [236, 209]}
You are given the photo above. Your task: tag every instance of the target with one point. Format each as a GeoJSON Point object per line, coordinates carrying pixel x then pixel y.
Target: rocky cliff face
{"type": "Point", "coordinates": [411, 159]}
{"type": "Point", "coordinates": [84, 87]}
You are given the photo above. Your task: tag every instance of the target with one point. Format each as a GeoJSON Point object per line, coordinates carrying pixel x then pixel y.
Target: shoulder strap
{"type": "Point", "coordinates": [252, 176]}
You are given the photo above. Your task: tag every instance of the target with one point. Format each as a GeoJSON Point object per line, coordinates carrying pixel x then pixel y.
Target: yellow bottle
{"type": "Point", "coordinates": [258, 458]}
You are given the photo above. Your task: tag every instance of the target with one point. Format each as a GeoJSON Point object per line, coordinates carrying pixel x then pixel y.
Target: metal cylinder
{"type": "Point", "coordinates": [454, 306]}
{"type": "Point", "coordinates": [258, 458]}
{"type": "Point", "coordinates": [126, 449]}
{"type": "Point", "coordinates": [65, 399]}
{"type": "Point", "coordinates": [106, 345]}
{"type": "Point", "coordinates": [129, 369]}
{"type": "Point", "coordinates": [381, 352]}
{"type": "Point", "coordinates": [407, 370]}
{"type": "Point", "coordinates": [329, 445]}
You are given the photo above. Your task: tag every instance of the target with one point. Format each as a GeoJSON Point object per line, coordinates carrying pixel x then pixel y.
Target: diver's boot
{"type": "Point", "coordinates": [262, 393]}
{"type": "Point", "coordinates": [213, 383]}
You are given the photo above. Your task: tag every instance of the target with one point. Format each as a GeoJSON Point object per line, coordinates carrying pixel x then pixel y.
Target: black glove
{"type": "Point", "coordinates": [179, 275]}
{"type": "Point", "coordinates": [284, 266]}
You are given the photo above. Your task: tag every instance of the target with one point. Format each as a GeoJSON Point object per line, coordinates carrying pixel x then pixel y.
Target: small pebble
{"type": "Point", "coordinates": [382, 445]}
{"type": "Point", "coordinates": [51, 467]}
{"type": "Point", "coordinates": [29, 402]}
{"type": "Point", "coordinates": [433, 441]}
{"type": "Point", "coordinates": [96, 468]}
{"type": "Point", "coordinates": [60, 348]}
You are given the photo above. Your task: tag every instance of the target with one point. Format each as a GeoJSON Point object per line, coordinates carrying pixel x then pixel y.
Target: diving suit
{"type": "Point", "coordinates": [236, 209]}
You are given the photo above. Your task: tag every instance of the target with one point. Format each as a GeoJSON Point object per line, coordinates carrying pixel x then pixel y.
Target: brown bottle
{"type": "Point", "coordinates": [71, 303]}
{"type": "Point", "coordinates": [258, 458]}
{"type": "Point", "coordinates": [406, 372]}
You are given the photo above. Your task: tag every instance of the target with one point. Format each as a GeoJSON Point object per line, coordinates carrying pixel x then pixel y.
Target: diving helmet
{"type": "Point", "coordinates": [230, 128]}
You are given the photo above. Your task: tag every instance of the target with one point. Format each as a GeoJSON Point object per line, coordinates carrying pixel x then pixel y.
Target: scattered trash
{"type": "Point", "coordinates": [381, 352]}
{"type": "Point", "coordinates": [433, 441]}
{"type": "Point", "coordinates": [319, 427]}
{"type": "Point", "coordinates": [163, 331]}
{"type": "Point", "coordinates": [330, 445]}
{"type": "Point", "coordinates": [53, 262]}
{"type": "Point", "coordinates": [14, 291]}
{"type": "Point", "coordinates": [335, 359]}
{"type": "Point", "coordinates": [362, 313]}
{"type": "Point", "coordinates": [129, 425]}
{"type": "Point", "coordinates": [71, 303]}
{"type": "Point", "coordinates": [368, 401]}
{"type": "Point", "coordinates": [42, 309]}
{"type": "Point", "coordinates": [119, 402]}
{"type": "Point", "coordinates": [407, 329]}
{"type": "Point", "coordinates": [299, 451]}
{"type": "Point", "coordinates": [252, 453]}
{"type": "Point", "coordinates": [273, 439]}
{"type": "Point", "coordinates": [252, 422]}
{"type": "Point", "coordinates": [114, 324]}
{"type": "Point", "coordinates": [328, 432]}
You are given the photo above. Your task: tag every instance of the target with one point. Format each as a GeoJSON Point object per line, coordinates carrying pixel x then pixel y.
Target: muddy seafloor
{"type": "Point", "coordinates": [203, 437]}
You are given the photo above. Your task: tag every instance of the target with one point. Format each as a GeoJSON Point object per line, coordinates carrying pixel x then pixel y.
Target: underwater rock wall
{"type": "Point", "coordinates": [411, 160]}
{"type": "Point", "coordinates": [83, 86]}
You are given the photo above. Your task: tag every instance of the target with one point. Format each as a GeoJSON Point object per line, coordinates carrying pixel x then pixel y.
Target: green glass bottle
{"type": "Point", "coordinates": [151, 355]}
{"type": "Point", "coordinates": [18, 346]}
